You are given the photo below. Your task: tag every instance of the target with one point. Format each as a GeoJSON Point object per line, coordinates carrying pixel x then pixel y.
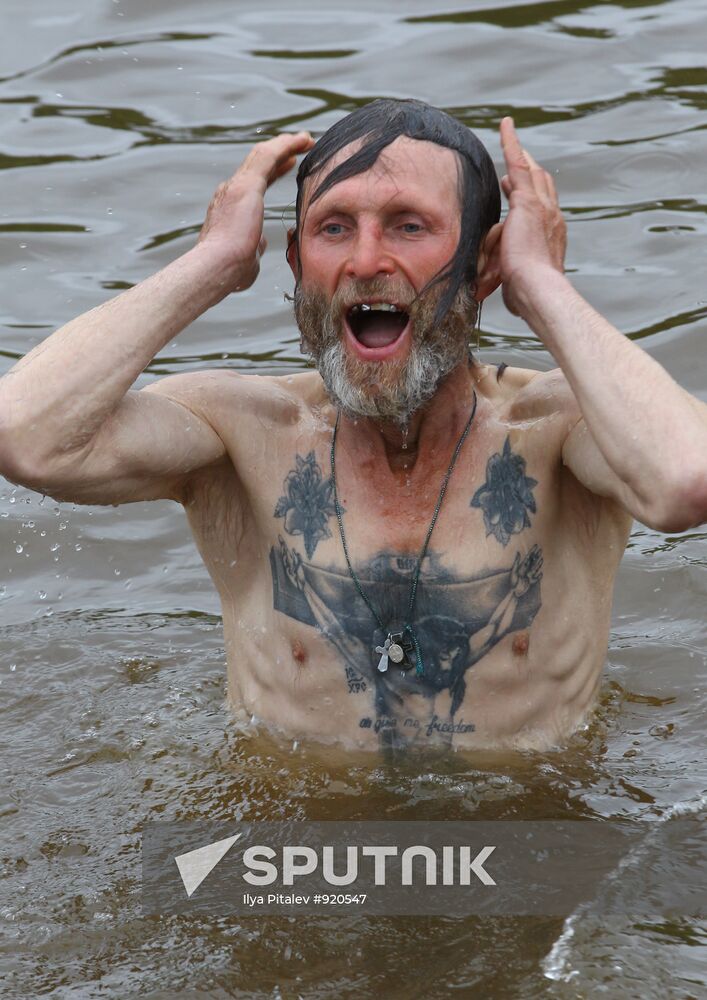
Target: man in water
{"type": "Point", "coordinates": [410, 547]}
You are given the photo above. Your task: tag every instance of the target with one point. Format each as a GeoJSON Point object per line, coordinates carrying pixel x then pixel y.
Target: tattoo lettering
{"type": "Point", "coordinates": [307, 503]}
{"type": "Point", "coordinates": [355, 681]}
{"type": "Point", "coordinates": [441, 726]}
{"type": "Point", "coordinates": [436, 725]}
{"type": "Point", "coordinates": [457, 622]}
{"type": "Point", "coordinates": [506, 496]}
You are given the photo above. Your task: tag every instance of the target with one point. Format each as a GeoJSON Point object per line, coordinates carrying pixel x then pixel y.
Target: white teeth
{"type": "Point", "coordinates": [375, 307]}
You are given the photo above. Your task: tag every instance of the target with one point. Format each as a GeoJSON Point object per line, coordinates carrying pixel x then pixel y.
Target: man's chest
{"type": "Point", "coordinates": [420, 576]}
{"type": "Point", "coordinates": [399, 602]}
{"type": "Point", "coordinates": [458, 514]}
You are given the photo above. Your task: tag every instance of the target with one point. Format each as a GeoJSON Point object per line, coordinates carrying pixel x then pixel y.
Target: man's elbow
{"type": "Point", "coordinates": [12, 465]}
{"type": "Point", "coordinates": [18, 470]}
{"type": "Point", "coordinates": [683, 506]}
{"type": "Point", "coordinates": [25, 469]}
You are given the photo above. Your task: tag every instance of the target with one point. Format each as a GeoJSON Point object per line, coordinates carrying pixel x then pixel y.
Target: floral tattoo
{"type": "Point", "coordinates": [307, 502]}
{"type": "Point", "coordinates": [506, 496]}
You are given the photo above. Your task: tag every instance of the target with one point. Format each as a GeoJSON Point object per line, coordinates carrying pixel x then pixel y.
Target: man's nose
{"type": "Point", "coordinates": [369, 257]}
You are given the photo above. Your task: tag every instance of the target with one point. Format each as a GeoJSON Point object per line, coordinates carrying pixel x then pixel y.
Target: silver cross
{"type": "Point", "coordinates": [383, 650]}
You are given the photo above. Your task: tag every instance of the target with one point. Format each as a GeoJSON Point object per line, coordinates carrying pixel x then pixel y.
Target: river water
{"type": "Point", "coordinates": [118, 118]}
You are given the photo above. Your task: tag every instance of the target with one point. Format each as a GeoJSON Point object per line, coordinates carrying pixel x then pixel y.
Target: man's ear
{"type": "Point", "coordinates": [488, 265]}
{"type": "Point", "coordinates": [293, 252]}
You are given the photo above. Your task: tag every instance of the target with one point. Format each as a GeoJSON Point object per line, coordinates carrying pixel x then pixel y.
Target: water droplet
{"type": "Point", "coordinates": [19, 549]}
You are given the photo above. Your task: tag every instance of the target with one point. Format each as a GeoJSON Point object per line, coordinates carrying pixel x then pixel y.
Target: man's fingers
{"type": "Point", "coordinates": [551, 186]}
{"type": "Point", "coordinates": [540, 177]}
{"type": "Point", "coordinates": [514, 154]}
{"type": "Point", "coordinates": [284, 168]}
{"type": "Point", "coordinates": [274, 157]}
{"type": "Point", "coordinates": [523, 169]}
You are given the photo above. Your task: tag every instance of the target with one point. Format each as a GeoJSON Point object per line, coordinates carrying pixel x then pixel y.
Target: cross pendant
{"type": "Point", "coordinates": [383, 650]}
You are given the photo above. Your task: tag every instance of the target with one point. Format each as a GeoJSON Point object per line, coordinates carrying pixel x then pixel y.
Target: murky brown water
{"type": "Point", "coordinates": [117, 120]}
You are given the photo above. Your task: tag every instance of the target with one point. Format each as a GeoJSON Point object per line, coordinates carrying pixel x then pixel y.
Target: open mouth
{"type": "Point", "coordinates": [377, 325]}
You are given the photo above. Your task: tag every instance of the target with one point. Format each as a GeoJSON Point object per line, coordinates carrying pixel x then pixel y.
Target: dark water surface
{"type": "Point", "coordinates": [117, 121]}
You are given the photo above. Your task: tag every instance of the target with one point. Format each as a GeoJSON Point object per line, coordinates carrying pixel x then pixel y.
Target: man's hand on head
{"type": "Point", "coordinates": [533, 236]}
{"type": "Point", "coordinates": [233, 228]}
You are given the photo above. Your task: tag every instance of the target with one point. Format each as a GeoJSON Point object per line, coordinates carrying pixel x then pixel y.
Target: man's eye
{"type": "Point", "coordinates": [412, 227]}
{"type": "Point", "coordinates": [333, 229]}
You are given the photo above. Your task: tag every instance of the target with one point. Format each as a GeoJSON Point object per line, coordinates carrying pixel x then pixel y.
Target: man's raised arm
{"type": "Point", "coordinates": [638, 437]}
{"type": "Point", "coordinates": [69, 424]}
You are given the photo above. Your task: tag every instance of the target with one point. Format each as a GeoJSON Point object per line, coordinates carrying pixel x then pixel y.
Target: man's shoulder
{"type": "Point", "coordinates": [531, 394]}
{"type": "Point", "coordinates": [222, 392]}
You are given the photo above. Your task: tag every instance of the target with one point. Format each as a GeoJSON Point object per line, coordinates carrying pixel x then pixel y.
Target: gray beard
{"type": "Point", "coordinates": [420, 378]}
{"type": "Point", "coordinates": [386, 390]}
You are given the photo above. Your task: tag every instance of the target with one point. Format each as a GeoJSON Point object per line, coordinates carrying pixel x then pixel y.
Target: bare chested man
{"type": "Point", "coordinates": [410, 547]}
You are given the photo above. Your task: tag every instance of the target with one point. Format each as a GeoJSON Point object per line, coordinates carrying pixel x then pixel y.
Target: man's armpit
{"type": "Point", "coordinates": [545, 394]}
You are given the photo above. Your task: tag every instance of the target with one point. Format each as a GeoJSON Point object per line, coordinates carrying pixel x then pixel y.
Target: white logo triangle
{"type": "Point", "coordinates": [194, 866]}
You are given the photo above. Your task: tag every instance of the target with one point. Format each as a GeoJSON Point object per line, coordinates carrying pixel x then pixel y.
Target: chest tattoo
{"type": "Point", "coordinates": [506, 496]}
{"type": "Point", "coordinates": [458, 621]}
{"type": "Point", "coordinates": [307, 502]}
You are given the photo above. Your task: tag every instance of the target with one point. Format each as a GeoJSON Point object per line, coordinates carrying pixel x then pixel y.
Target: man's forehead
{"type": "Point", "coordinates": [404, 160]}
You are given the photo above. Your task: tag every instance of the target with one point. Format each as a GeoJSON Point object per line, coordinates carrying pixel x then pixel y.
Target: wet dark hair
{"type": "Point", "coordinates": [382, 122]}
